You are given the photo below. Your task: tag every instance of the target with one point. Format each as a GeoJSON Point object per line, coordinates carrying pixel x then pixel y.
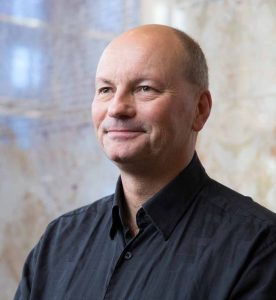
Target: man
{"type": "Point", "coordinates": [169, 231]}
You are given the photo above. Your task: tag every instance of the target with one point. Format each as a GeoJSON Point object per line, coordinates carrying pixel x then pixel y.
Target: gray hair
{"type": "Point", "coordinates": [196, 69]}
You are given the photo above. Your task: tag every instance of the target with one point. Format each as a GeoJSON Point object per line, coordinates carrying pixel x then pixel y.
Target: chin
{"type": "Point", "coordinates": [120, 158]}
{"type": "Point", "coordinates": [125, 155]}
{"type": "Point", "coordinates": [119, 152]}
{"type": "Point", "coordinates": [123, 158]}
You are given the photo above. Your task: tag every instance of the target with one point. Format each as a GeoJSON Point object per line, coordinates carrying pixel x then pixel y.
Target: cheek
{"type": "Point", "coordinates": [162, 125]}
{"type": "Point", "coordinates": [175, 123]}
{"type": "Point", "coordinates": [184, 114]}
{"type": "Point", "coordinates": [164, 117]}
{"type": "Point", "coordinates": [97, 113]}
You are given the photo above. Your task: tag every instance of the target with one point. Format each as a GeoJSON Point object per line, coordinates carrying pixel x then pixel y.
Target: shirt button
{"type": "Point", "coordinates": [128, 255]}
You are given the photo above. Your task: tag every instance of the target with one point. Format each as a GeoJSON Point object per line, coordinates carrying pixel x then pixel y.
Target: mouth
{"type": "Point", "coordinates": [123, 134]}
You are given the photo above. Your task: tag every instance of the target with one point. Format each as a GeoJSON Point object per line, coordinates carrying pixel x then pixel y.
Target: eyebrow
{"type": "Point", "coordinates": [103, 80]}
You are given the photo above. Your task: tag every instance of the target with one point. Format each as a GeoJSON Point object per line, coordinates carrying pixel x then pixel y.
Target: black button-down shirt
{"type": "Point", "coordinates": [197, 240]}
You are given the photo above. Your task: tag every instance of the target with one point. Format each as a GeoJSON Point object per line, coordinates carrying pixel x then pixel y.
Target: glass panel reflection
{"type": "Point", "coordinates": [36, 9]}
{"type": "Point", "coordinates": [25, 67]}
{"type": "Point", "coordinates": [24, 72]}
{"type": "Point", "coordinates": [108, 15]}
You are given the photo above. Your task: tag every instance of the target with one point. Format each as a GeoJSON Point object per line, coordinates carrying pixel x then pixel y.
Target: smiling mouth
{"type": "Point", "coordinates": [123, 133]}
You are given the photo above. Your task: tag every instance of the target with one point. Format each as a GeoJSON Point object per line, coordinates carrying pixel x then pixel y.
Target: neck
{"type": "Point", "coordinates": [140, 186]}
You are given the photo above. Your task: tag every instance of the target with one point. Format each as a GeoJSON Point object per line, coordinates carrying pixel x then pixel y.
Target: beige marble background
{"type": "Point", "coordinates": [50, 162]}
{"type": "Point", "coordinates": [239, 144]}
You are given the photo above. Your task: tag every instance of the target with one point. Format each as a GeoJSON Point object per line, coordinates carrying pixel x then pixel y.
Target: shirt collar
{"type": "Point", "coordinates": [117, 219]}
{"type": "Point", "coordinates": [168, 205]}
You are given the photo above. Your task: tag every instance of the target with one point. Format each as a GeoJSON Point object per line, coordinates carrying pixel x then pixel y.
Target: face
{"type": "Point", "coordinates": [143, 109]}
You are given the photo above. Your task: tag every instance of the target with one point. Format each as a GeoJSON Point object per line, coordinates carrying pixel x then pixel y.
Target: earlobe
{"type": "Point", "coordinates": [203, 110]}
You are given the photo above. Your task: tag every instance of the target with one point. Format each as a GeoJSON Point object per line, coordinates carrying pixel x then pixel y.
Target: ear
{"type": "Point", "coordinates": [203, 110]}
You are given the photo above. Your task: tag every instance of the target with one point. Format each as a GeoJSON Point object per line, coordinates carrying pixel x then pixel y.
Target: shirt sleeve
{"type": "Point", "coordinates": [258, 280]}
{"type": "Point", "coordinates": [24, 289]}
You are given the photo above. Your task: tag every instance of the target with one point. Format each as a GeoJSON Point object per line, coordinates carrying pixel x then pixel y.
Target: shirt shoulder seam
{"type": "Point", "coordinates": [237, 212]}
{"type": "Point", "coordinates": [92, 206]}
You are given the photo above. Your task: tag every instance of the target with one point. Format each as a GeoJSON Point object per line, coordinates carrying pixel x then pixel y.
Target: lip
{"type": "Point", "coordinates": [123, 133]}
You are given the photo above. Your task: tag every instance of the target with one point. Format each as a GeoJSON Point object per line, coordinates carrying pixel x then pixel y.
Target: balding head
{"type": "Point", "coordinates": [191, 60]}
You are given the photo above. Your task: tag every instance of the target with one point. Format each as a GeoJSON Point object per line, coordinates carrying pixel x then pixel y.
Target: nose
{"type": "Point", "coordinates": [122, 105]}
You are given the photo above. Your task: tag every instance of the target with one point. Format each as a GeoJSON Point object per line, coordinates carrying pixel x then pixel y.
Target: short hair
{"type": "Point", "coordinates": [196, 68]}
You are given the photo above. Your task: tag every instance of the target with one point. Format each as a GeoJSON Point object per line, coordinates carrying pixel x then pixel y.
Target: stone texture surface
{"type": "Point", "coordinates": [50, 162]}
{"type": "Point", "coordinates": [238, 145]}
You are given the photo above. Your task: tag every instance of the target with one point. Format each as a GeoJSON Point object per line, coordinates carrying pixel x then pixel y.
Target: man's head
{"type": "Point", "coordinates": [151, 98]}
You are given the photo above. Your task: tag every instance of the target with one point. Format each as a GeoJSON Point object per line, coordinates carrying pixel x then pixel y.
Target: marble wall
{"type": "Point", "coordinates": [239, 143]}
{"type": "Point", "coordinates": [50, 162]}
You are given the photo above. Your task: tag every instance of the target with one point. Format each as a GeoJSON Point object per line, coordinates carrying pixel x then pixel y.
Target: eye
{"type": "Point", "coordinates": [104, 90]}
{"type": "Point", "coordinates": [145, 88]}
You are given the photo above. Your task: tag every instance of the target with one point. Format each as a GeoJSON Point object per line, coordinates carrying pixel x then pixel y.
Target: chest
{"type": "Point", "coordinates": [147, 267]}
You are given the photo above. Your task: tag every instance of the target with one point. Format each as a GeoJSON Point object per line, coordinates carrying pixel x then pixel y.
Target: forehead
{"type": "Point", "coordinates": [133, 55]}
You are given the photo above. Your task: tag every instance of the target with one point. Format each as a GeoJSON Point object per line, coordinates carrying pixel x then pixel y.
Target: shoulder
{"type": "Point", "coordinates": [82, 217]}
{"type": "Point", "coordinates": [237, 218]}
{"type": "Point", "coordinates": [236, 204]}
{"type": "Point", "coordinates": [97, 207]}
{"type": "Point", "coordinates": [69, 233]}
